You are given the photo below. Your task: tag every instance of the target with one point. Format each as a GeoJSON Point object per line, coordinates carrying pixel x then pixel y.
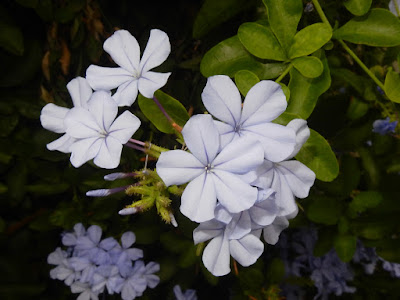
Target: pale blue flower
{"type": "Point", "coordinates": [187, 295]}
{"type": "Point", "coordinates": [134, 74]}
{"type": "Point", "coordinates": [213, 173]}
{"type": "Point", "coordinates": [384, 126]}
{"type": "Point", "coordinates": [84, 290]}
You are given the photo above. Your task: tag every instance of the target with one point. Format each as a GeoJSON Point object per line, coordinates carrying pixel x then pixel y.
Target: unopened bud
{"type": "Point", "coordinates": [119, 175]}
{"type": "Point", "coordinates": [128, 211]}
{"type": "Point", "coordinates": [104, 192]}
{"type": "Point", "coordinates": [173, 220]}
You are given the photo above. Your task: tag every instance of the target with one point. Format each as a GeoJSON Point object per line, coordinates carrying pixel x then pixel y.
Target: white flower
{"type": "Point", "coordinates": [133, 74]}
{"type": "Point", "coordinates": [99, 135]}
{"type": "Point", "coordinates": [52, 116]}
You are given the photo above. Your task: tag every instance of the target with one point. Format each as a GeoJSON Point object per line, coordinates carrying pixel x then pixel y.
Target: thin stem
{"type": "Point", "coordinates": [136, 147]}
{"type": "Point", "coordinates": [162, 110]}
{"type": "Point", "coordinates": [362, 65]}
{"type": "Point", "coordinates": [321, 13]}
{"type": "Point", "coordinates": [290, 66]}
{"type": "Point", "coordinates": [137, 142]}
{"type": "Point", "coordinates": [155, 147]}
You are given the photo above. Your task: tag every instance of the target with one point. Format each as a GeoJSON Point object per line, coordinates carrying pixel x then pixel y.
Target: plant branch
{"type": "Point", "coordinates": [289, 67]}
{"type": "Point", "coordinates": [321, 13]}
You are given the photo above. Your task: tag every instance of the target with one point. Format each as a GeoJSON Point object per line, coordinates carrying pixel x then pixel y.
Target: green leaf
{"type": "Point", "coordinates": [358, 7]}
{"type": "Point", "coordinates": [213, 13]}
{"type": "Point", "coordinates": [308, 66]}
{"type": "Point", "coordinates": [379, 28]}
{"type": "Point", "coordinates": [260, 41]}
{"type": "Point", "coordinates": [11, 39]}
{"type": "Point", "coordinates": [310, 39]}
{"type": "Point", "coordinates": [245, 80]}
{"type": "Point", "coordinates": [356, 109]}
{"type": "Point", "coordinates": [345, 246]}
{"type": "Point", "coordinates": [370, 166]}
{"type": "Point", "coordinates": [356, 81]}
{"type": "Point", "coordinates": [392, 86]}
{"type": "Point", "coordinates": [285, 90]}
{"type": "Point", "coordinates": [285, 118]}
{"type": "Point", "coordinates": [172, 106]}
{"type": "Point", "coordinates": [284, 16]}
{"type": "Point", "coordinates": [324, 210]}
{"type": "Point", "coordinates": [304, 92]}
{"type": "Point", "coordinates": [317, 154]}
{"type": "Point", "coordinates": [229, 57]}
{"type": "Point", "coordinates": [364, 201]}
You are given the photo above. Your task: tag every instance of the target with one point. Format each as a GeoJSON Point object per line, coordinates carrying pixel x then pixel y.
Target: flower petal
{"type": "Point", "coordinates": [124, 127]}
{"type": "Point", "coordinates": [207, 230]}
{"type": "Point", "coordinates": [157, 50]}
{"type": "Point", "coordinates": [84, 150]}
{"type": "Point", "coordinates": [178, 167]}
{"type": "Point", "coordinates": [104, 78]}
{"type": "Point", "coordinates": [302, 134]}
{"type": "Point", "coordinates": [264, 212]}
{"type": "Point", "coordinates": [226, 133]}
{"type": "Point", "coordinates": [222, 99]}
{"type": "Point", "coordinates": [150, 82]}
{"type": "Point", "coordinates": [240, 156]}
{"type": "Point", "coordinates": [80, 123]}
{"type": "Point", "coordinates": [199, 199]}
{"type": "Point", "coordinates": [202, 138]}
{"type": "Point", "coordinates": [232, 192]}
{"type": "Point", "coordinates": [264, 102]}
{"type": "Point", "coordinates": [128, 239]}
{"type": "Point", "coordinates": [52, 117]}
{"type": "Point", "coordinates": [62, 144]}
{"type": "Point", "coordinates": [239, 226]}
{"type": "Point", "coordinates": [272, 232]}
{"type": "Point", "coordinates": [278, 141]}
{"type": "Point", "coordinates": [246, 250]}
{"type": "Point", "coordinates": [124, 50]}
{"type": "Point", "coordinates": [94, 232]}
{"type": "Point", "coordinates": [216, 257]}
{"type": "Point", "coordinates": [109, 154]}
{"type": "Point", "coordinates": [126, 93]}
{"type": "Point", "coordinates": [80, 91]}
{"type": "Point", "coordinates": [103, 108]}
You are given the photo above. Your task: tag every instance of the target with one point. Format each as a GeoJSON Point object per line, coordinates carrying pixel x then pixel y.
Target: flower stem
{"type": "Point", "coordinates": [321, 13]}
{"type": "Point", "coordinates": [155, 147]}
{"type": "Point", "coordinates": [289, 67]}
{"type": "Point", "coordinates": [173, 123]}
{"type": "Point", "coordinates": [362, 65]}
{"type": "Point", "coordinates": [137, 142]}
{"type": "Point", "coordinates": [396, 5]}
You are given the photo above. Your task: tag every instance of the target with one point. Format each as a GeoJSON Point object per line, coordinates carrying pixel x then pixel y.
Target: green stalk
{"type": "Point", "coordinates": [321, 13]}
{"type": "Point", "coordinates": [396, 5]}
{"type": "Point", "coordinates": [284, 73]}
{"type": "Point", "coordinates": [362, 65]}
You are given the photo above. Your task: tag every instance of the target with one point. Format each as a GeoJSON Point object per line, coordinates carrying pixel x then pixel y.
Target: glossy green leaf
{"type": "Point", "coordinates": [345, 246]}
{"type": "Point", "coordinates": [304, 92]}
{"type": "Point", "coordinates": [285, 90]}
{"type": "Point", "coordinates": [245, 80]}
{"type": "Point", "coordinates": [213, 13]}
{"type": "Point", "coordinates": [284, 16]}
{"type": "Point", "coordinates": [260, 41]}
{"type": "Point", "coordinates": [324, 210]}
{"type": "Point", "coordinates": [379, 28]}
{"type": "Point", "coordinates": [392, 86]}
{"type": "Point", "coordinates": [285, 118]}
{"type": "Point", "coordinates": [229, 57]}
{"type": "Point", "coordinates": [358, 7]}
{"type": "Point", "coordinates": [357, 109]}
{"type": "Point", "coordinates": [172, 106]}
{"type": "Point", "coordinates": [308, 66]}
{"type": "Point", "coordinates": [11, 39]}
{"type": "Point", "coordinates": [310, 39]}
{"type": "Point", "coordinates": [317, 154]}
{"type": "Point", "coordinates": [364, 201]}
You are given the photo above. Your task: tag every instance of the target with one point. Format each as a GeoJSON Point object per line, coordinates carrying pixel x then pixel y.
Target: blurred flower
{"type": "Point", "coordinates": [394, 7]}
{"type": "Point", "coordinates": [384, 126]}
{"type": "Point", "coordinates": [188, 295]}
{"type": "Point", "coordinates": [133, 74]}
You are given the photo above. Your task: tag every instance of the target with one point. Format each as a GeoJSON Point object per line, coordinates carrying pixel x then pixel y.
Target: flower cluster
{"type": "Point", "coordinates": [328, 273]}
{"type": "Point", "coordinates": [91, 128]}
{"type": "Point", "coordinates": [384, 126]}
{"type": "Point", "coordinates": [242, 180]}
{"type": "Point", "coordinates": [90, 265]}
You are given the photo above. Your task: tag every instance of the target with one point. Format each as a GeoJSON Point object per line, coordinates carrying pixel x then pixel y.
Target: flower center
{"type": "Point", "coordinates": [209, 168]}
{"type": "Point", "coordinates": [136, 74]}
{"type": "Point", "coordinates": [238, 128]}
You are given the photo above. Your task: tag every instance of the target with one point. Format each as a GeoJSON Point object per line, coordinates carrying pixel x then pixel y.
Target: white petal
{"type": "Point", "coordinates": [124, 127]}
{"type": "Point", "coordinates": [302, 134]}
{"type": "Point", "coordinates": [199, 199]}
{"type": "Point", "coordinates": [84, 150]}
{"type": "Point", "coordinates": [246, 250]}
{"type": "Point", "coordinates": [178, 167]}
{"type": "Point", "coordinates": [222, 215]}
{"type": "Point", "coordinates": [52, 117]}
{"type": "Point", "coordinates": [263, 213]}
{"type": "Point", "coordinates": [157, 50]}
{"type": "Point", "coordinates": [103, 108]}
{"type": "Point", "coordinates": [109, 154]}
{"type": "Point", "coordinates": [226, 133]}
{"type": "Point", "coordinates": [150, 82]}
{"type": "Point", "coordinates": [103, 78]}
{"type": "Point", "coordinates": [126, 93]}
{"type": "Point", "coordinates": [207, 230]}
{"type": "Point", "coordinates": [233, 193]}
{"type": "Point", "coordinates": [80, 123]}
{"type": "Point", "coordinates": [264, 102]}
{"type": "Point", "coordinates": [239, 226]}
{"type": "Point", "coordinates": [124, 50]}
{"type": "Point", "coordinates": [202, 138]}
{"type": "Point", "coordinates": [272, 232]}
{"type": "Point", "coordinates": [216, 256]}
{"type": "Point", "coordinates": [240, 156]}
{"type": "Point", "coordinates": [222, 99]}
{"type": "Point", "coordinates": [299, 177]}
{"type": "Point", "coordinates": [265, 174]}
{"type": "Point", "coordinates": [62, 144]}
{"type": "Point", "coordinates": [278, 141]}
{"type": "Point", "coordinates": [284, 195]}
{"type": "Point", "coordinates": [80, 91]}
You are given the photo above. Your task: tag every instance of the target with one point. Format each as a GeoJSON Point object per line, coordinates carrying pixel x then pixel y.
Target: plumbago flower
{"type": "Point", "coordinates": [187, 295]}
{"type": "Point", "coordinates": [52, 116]}
{"type": "Point", "coordinates": [384, 126]}
{"type": "Point", "coordinates": [213, 173]}
{"type": "Point", "coordinates": [133, 76]}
